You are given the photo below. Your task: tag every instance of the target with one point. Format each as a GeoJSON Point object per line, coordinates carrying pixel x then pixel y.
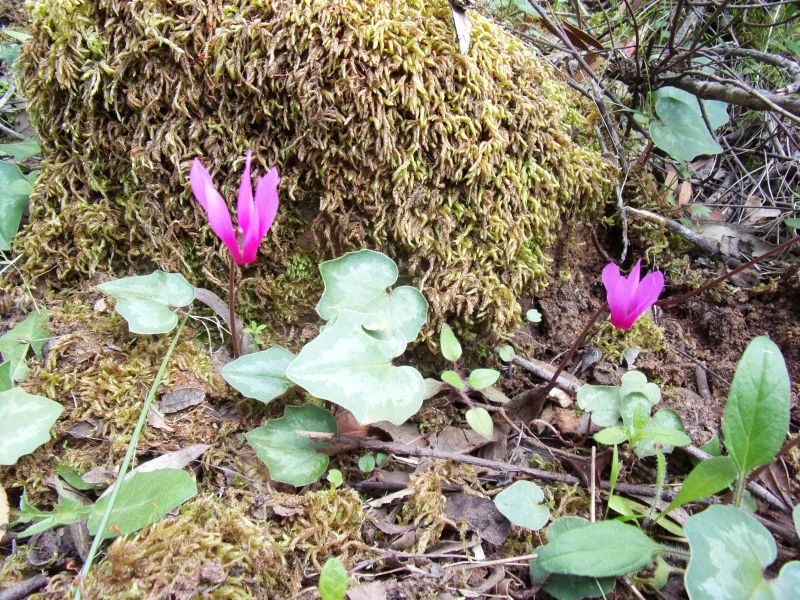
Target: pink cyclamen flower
{"type": "Point", "coordinates": [254, 216]}
{"type": "Point", "coordinates": [627, 296]}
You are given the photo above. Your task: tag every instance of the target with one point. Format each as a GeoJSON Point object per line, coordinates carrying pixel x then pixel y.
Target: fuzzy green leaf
{"type": "Point", "coordinates": [25, 422]}
{"type": "Point", "coordinates": [333, 580]}
{"type": "Point", "coordinates": [145, 300]}
{"type": "Point", "coordinates": [756, 418]}
{"type": "Point", "coordinates": [352, 368]}
{"type": "Point", "coordinates": [261, 375]}
{"type": "Point", "coordinates": [482, 378]}
{"type": "Point", "coordinates": [610, 436]}
{"type": "Point", "coordinates": [144, 498]}
{"type": "Point", "coordinates": [706, 479]}
{"type": "Point", "coordinates": [481, 421]}
{"type": "Point", "coordinates": [292, 458]}
{"type": "Point", "coordinates": [452, 379]}
{"type": "Point", "coordinates": [602, 549]}
{"type": "Point", "coordinates": [521, 503]}
{"type": "Point", "coordinates": [451, 348]}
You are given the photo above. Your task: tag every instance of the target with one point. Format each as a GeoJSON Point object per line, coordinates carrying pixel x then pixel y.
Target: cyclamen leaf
{"type": "Point", "coordinates": [15, 191]}
{"type": "Point", "coordinates": [21, 150]}
{"type": "Point", "coordinates": [756, 418]}
{"type": "Point", "coordinates": [261, 375]}
{"type": "Point", "coordinates": [143, 499]}
{"type": "Point", "coordinates": [349, 367]}
{"type": "Point", "coordinates": [602, 401]}
{"type": "Point", "coordinates": [451, 348]}
{"type": "Point", "coordinates": [602, 549]}
{"type": "Point", "coordinates": [521, 503]}
{"type": "Point", "coordinates": [145, 300]}
{"type": "Point", "coordinates": [333, 580]}
{"type": "Point", "coordinates": [480, 421]}
{"type": "Point", "coordinates": [292, 458]}
{"type": "Point", "coordinates": [25, 422]}
{"type": "Point", "coordinates": [357, 282]}
{"type": "Point", "coordinates": [729, 552]}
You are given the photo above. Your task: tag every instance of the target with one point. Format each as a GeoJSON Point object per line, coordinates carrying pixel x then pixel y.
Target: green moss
{"type": "Point", "coordinates": [644, 335]}
{"type": "Point", "coordinates": [462, 168]}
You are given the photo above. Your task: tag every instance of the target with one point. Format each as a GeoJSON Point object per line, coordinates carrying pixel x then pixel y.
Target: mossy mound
{"type": "Point", "coordinates": [463, 168]}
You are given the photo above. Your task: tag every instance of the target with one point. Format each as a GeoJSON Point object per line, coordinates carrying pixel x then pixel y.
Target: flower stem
{"type": "Point", "coordinates": [543, 391]}
{"type": "Point", "coordinates": [715, 282]}
{"type": "Point", "coordinates": [123, 469]}
{"type": "Point", "coordinates": [237, 351]}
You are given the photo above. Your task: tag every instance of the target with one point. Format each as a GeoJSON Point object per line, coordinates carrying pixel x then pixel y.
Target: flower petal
{"type": "Point", "coordinates": [244, 203]}
{"type": "Point", "coordinates": [617, 294]}
{"type": "Point", "coordinates": [266, 202]}
{"type": "Point", "coordinates": [634, 276]}
{"type": "Point", "coordinates": [648, 292]}
{"type": "Point", "coordinates": [219, 218]}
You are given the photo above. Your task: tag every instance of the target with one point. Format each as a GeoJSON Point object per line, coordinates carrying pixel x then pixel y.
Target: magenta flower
{"type": "Point", "coordinates": [254, 216]}
{"type": "Point", "coordinates": [627, 296]}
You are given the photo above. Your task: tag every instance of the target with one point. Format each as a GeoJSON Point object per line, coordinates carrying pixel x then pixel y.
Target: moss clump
{"type": "Point", "coordinates": [462, 168]}
{"type": "Point", "coordinates": [645, 335]}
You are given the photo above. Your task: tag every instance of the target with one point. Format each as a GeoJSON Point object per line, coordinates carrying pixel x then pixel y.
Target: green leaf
{"type": "Point", "coordinates": [630, 508]}
{"type": "Point", "coordinates": [480, 421]}
{"type": "Point", "coordinates": [681, 131]}
{"type": "Point", "coordinates": [261, 375]}
{"type": "Point", "coordinates": [15, 190]}
{"type": "Point", "coordinates": [729, 552]}
{"type": "Point", "coordinates": [381, 458]}
{"type": "Point", "coordinates": [712, 446]}
{"type": "Point", "coordinates": [506, 353]}
{"type": "Point", "coordinates": [602, 401]}
{"type": "Point", "coordinates": [357, 283]}
{"type": "Point", "coordinates": [25, 422]}
{"type": "Point", "coordinates": [448, 343]}
{"type": "Point", "coordinates": [452, 378]}
{"type": "Point", "coordinates": [792, 223]}
{"type": "Point", "coordinates": [68, 511]}
{"type": "Point", "coordinates": [20, 36]}
{"type": "Point", "coordinates": [73, 478]}
{"type": "Point", "coordinates": [292, 458]}
{"type": "Point", "coordinates": [483, 378]}
{"type": "Point", "coordinates": [664, 429]}
{"type": "Point", "coordinates": [333, 580]}
{"type": "Point", "coordinates": [534, 316]}
{"type": "Point", "coordinates": [635, 382]}
{"type": "Point", "coordinates": [349, 367]}
{"type": "Point", "coordinates": [521, 503]}
{"type": "Point", "coordinates": [611, 436]}
{"type": "Point", "coordinates": [145, 300]}
{"type": "Point", "coordinates": [144, 498]}
{"type": "Point", "coordinates": [367, 463]}
{"type": "Point", "coordinates": [9, 53]}
{"type": "Point", "coordinates": [706, 479]}
{"type": "Point", "coordinates": [31, 333]}
{"type": "Point", "coordinates": [6, 380]}
{"type": "Point", "coordinates": [602, 549]}
{"type": "Point", "coordinates": [21, 150]}
{"type": "Point", "coordinates": [756, 418]}
{"type": "Point", "coordinates": [335, 477]}
{"type": "Point", "coordinates": [569, 587]}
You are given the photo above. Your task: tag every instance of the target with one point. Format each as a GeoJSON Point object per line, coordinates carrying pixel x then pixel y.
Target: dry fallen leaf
{"type": "Point", "coordinates": [3, 510]}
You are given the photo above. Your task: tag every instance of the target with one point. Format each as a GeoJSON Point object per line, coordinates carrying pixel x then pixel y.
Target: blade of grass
{"type": "Point", "coordinates": [126, 462]}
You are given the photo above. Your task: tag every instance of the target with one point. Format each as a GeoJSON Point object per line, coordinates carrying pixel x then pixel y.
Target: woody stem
{"type": "Point", "coordinates": [237, 351]}
{"type": "Point", "coordinates": [715, 282]}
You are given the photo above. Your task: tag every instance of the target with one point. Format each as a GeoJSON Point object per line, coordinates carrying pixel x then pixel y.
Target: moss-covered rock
{"type": "Point", "coordinates": [463, 168]}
